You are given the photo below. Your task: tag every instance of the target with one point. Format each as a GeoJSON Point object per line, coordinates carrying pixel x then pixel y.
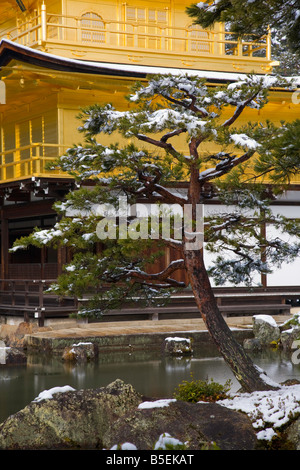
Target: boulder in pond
{"type": "Point", "coordinates": [265, 329]}
{"type": "Point", "coordinates": [68, 420]}
{"type": "Point", "coordinates": [62, 419]}
{"type": "Point", "coordinates": [11, 356]}
{"type": "Point", "coordinates": [80, 352]}
{"type": "Point", "coordinates": [177, 346]}
{"type": "Point", "coordinates": [197, 425]}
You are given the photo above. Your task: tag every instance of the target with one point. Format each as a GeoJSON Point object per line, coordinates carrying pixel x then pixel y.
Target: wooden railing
{"type": "Point", "coordinates": [30, 298]}
{"type": "Point", "coordinates": [29, 160]}
{"type": "Point", "coordinates": [43, 28]}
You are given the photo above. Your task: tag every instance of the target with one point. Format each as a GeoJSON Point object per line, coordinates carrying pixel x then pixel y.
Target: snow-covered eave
{"type": "Point", "coordinates": [10, 50]}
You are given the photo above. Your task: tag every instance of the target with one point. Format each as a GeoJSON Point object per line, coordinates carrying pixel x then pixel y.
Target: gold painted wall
{"type": "Point", "coordinates": [142, 32]}
{"type": "Point", "coordinates": [39, 119]}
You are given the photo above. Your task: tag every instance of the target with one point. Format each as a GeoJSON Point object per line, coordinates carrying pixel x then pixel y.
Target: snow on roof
{"type": "Point", "coordinates": [47, 59]}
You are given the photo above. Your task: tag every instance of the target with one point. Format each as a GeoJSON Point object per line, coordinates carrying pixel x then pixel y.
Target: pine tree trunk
{"type": "Point", "coordinates": [234, 354]}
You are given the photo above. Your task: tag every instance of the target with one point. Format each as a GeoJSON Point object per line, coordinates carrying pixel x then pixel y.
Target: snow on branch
{"type": "Point", "coordinates": [224, 167]}
{"type": "Point", "coordinates": [244, 141]}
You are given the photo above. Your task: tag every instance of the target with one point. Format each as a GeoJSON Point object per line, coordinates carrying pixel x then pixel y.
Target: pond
{"type": "Point", "coordinates": [151, 374]}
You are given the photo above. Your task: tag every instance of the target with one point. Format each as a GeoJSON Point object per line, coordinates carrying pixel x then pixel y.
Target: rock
{"type": "Point", "coordinates": [252, 344]}
{"type": "Point", "coordinates": [197, 424]}
{"type": "Point", "coordinates": [70, 420]}
{"type": "Point", "coordinates": [292, 435]}
{"type": "Point", "coordinates": [9, 356]}
{"type": "Point", "coordinates": [288, 337]}
{"type": "Point", "coordinates": [15, 356]}
{"type": "Point", "coordinates": [14, 335]}
{"type": "Point", "coordinates": [176, 346]}
{"type": "Point", "coordinates": [81, 352]}
{"type": "Point", "coordinates": [110, 416]}
{"type": "Point", "coordinates": [265, 329]}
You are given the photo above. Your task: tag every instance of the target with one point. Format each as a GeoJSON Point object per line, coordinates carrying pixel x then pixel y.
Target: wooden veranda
{"type": "Point", "coordinates": [30, 299]}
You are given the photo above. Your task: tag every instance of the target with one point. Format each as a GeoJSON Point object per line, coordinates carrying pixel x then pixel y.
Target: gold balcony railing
{"type": "Point", "coordinates": [30, 160]}
{"type": "Point", "coordinates": [133, 36]}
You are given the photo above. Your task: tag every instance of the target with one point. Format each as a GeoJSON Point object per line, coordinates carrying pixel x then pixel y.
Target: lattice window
{"type": "Point", "coordinates": [92, 28]}
{"type": "Point", "coordinates": [198, 39]}
{"type": "Point", "coordinates": [53, 27]}
{"type": "Point", "coordinates": [146, 14]}
{"type": "Point", "coordinates": [146, 24]}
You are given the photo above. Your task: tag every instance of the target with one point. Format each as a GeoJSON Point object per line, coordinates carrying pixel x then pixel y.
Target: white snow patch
{"type": "Point", "coordinates": [177, 339]}
{"type": "Point", "coordinates": [155, 404]}
{"type": "Point", "coordinates": [165, 440]}
{"type": "Point", "coordinates": [266, 318]}
{"type": "Point", "coordinates": [266, 434]}
{"type": "Point", "coordinates": [267, 410]}
{"type": "Point", "coordinates": [124, 446]}
{"type": "Point", "coordinates": [48, 394]}
{"type": "Point", "coordinates": [244, 141]}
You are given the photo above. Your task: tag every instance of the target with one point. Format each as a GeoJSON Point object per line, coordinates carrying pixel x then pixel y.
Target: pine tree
{"type": "Point", "coordinates": [289, 65]}
{"type": "Point", "coordinates": [241, 167]}
{"type": "Point", "coordinates": [254, 17]}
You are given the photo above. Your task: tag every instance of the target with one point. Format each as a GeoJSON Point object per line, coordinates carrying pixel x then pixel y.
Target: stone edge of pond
{"type": "Point", "coordinates": [123, 342]}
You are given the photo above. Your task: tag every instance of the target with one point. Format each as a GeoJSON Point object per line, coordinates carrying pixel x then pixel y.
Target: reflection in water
{"type": "Point", "coordinates": [151, 374]}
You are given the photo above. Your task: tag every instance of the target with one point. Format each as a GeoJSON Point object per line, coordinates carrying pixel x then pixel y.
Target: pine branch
{"type": "Point", "coordinates": [190, 106]}
{"type": "Point", "coordinates": [172, 134]}
{"type": "Point", "coordinates": [170, 197]}
{"type": "Point", "coordinates": [160, 143]}
{"type": "Point", "coordinates": [162, 276]}
{"type": "Point", "coordinates": [224, 167]}
{"type": "Point", "coordinates": [239, 109]}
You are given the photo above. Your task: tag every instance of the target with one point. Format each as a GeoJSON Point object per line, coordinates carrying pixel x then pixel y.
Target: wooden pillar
{"type": "Point", "coordinates": [43, 256]}
{"type": "Point", "coordinates": [61, 259]}
{"type": "Point", "coordinates": [263, 254]}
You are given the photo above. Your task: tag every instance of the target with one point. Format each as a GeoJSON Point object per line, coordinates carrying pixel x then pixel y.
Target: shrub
{"type": "Point", "coordinates": [202, 390]}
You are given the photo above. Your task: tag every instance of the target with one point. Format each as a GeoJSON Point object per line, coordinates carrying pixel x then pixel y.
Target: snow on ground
{"type": "Point", "coordinates": [267, 410]}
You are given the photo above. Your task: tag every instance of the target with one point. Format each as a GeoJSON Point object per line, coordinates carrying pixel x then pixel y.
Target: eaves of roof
{"type": "Point", "coordinates": [10, 50]}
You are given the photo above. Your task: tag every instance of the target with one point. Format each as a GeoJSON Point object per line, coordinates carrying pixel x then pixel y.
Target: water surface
{"type": "Point", "coordinates": [152, 375]}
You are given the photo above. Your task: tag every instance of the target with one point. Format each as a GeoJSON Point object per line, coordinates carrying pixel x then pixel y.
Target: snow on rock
{"type": "Point", "coordinates": [290, 334]}
{"type": "Point", "coordinates": [293, 322]}
{"type": "Point", "coordinates": [156, 404]}
{"type": "Point", "coordinates": [124, 446]}
{"type": "Point", "coordinates": [165, 441]}
{"type": "Point", "coordinates": [266, 434]}
{"type": "Point", "coordinates": [265, 329]}
{"type": "Point", "coordinates": [178, 339]}
{"type": "Point", "coordinates": [177, 346]}
{"type": "Point", "coordinates": [48, 394]}
{"type": "Point", "coordinates": [265, 318]}
{"type": "Point", "coordinates": [267, 410]}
